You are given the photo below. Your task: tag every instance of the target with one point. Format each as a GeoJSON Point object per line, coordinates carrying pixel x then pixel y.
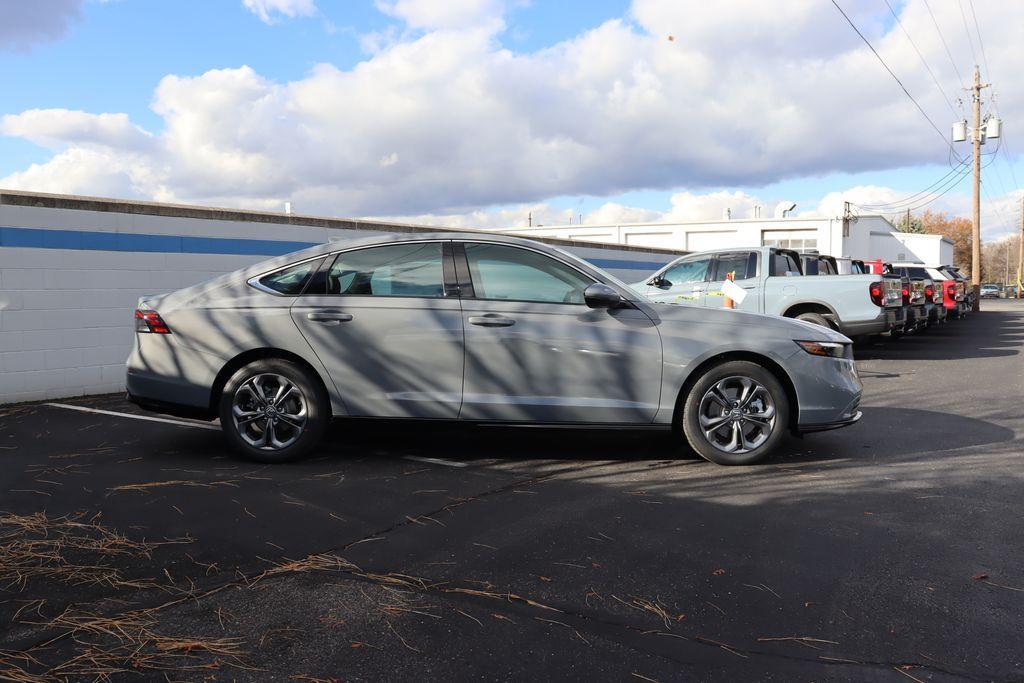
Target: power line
{"type": "Point", "coordinates": [960, 169]}
{"type": "Point", "coordinates": [945, 45]}
{"type": "Point", "coordinates": [896, 78]}
{"type": "Point", "coordinates": [981, 44]}
{"type": "Point", "coordinates": [953, 182]}
{"type": "Point", "coordinates": [921, 57]}
{"type": "Point", "coordinates": [967, 30]}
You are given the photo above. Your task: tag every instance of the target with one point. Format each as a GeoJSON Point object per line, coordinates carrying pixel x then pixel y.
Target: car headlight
{"type": "Point", "coordinates": [828, 349]}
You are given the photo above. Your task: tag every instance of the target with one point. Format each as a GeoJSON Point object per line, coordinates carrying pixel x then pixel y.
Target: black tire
{"type": "Point", "coordinates": [815, 318]}
{"type": "Point", "coordinates": [691, 407]}
{"type": "Point", "coordinates": [300, 442]}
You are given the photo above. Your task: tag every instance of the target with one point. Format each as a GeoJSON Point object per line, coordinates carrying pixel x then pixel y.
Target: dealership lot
{"type": "Point", "coordinates": [883, 551]}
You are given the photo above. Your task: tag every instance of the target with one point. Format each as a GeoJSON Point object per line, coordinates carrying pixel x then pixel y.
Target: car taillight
{"type": "Point", "coordinates": [929, 293]}
{"type": "Point", "coordinates": [150, 322]}
{"type": "Point", "coordinates": [951, 290]}
{"type": "Point", "coordinates": [906, 295]}
{"type": "Point", "coordinates": [876, 292]}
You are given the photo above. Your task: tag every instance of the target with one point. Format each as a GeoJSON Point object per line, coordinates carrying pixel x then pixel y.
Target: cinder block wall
{"type": "Point", "coordinates": [73, 268]}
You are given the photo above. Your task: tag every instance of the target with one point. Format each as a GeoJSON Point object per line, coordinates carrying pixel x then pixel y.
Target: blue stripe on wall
{"type": "Point", "coordinates": [39, 238]}
{"type": "Point", "coordinates": [616, 264]}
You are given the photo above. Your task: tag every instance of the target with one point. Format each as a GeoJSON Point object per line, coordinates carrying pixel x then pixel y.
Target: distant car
{"type": "Point", "coordinates": [482, 329]}
{"type": "Point", "coordinates": [772, 278]}
{"type": "Point", "coordinates": [991, 291]}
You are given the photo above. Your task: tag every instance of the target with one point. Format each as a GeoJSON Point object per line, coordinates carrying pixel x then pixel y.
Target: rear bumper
{"type": "Point", "coordinates": [167, 408]}
{"type": "Point", "coordinates": [887, 319]}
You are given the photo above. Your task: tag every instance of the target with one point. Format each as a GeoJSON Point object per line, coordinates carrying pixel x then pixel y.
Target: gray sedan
{"type": "Point", "coordinates": [477, 328]}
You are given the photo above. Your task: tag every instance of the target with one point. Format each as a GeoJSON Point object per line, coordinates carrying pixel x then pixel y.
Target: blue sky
{"type": "Point", "coordinates": [114, 54]}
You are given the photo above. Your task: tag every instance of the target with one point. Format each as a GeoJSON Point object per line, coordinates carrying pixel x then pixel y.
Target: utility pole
{"type": "Point", "coordinates": [1020, 252]}
{"type": "Point", "coordinates": [976, 204]}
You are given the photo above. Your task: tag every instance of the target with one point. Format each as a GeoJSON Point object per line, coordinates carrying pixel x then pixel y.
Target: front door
{"type": "Point", "coordinates": [683, 282]}
{"type": "Point", "coordinates": [536, 352]}
{"type": "Point", "coordinates": [388, 332]}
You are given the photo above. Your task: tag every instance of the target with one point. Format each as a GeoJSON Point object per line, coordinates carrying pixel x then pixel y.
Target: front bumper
{"type": "Point", "coordinates": [828, 392]}
{"type": "Point", "coordinates": [828, 426]}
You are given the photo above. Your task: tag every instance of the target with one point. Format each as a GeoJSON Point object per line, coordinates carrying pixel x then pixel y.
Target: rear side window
{"type": "Point", "coordinates": [740, 265]}
{"type": "Point", "coordinates": [393, 270]}
{"type": "Point", "coordinates": [290, 281]}
{"type": "Point", "coordinates": [783, 264]}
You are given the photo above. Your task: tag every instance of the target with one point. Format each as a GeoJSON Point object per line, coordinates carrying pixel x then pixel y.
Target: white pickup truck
{"type": "Point", "coordinates": [773, 283]}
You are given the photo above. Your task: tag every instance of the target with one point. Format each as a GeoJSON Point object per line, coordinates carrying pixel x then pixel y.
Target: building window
{"type": "Point", "coordinates": [797, 240]}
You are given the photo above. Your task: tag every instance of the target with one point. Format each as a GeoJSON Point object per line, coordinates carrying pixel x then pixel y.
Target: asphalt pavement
{"type": "Point", "coordinates": [885, 551]}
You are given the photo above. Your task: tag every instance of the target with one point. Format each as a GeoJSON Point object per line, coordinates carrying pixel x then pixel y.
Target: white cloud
{"type": "Point", "coordinates": [56, 128]}
{"type": "Point", "coordinates": [441, 120]}
{"type": "Point", "coordinates": [25, 23]}
{"type": "Point", "coordinates": [445, 14]}
{"type": "Point", "coordinates": [267, 10]}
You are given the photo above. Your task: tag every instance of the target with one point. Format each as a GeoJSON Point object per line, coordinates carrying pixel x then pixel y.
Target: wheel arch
{"type": "Point", "coordinates": [772, 366]}
{"type": "Point", "coordinates": [251, 355]}
{"type": "Point", "coordinates": [809, 307]}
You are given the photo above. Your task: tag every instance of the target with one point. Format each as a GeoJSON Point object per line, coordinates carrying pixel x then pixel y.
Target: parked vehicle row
{"type": "Point", "coordinates": [857, 298]}
{"type": "Point", "coordinates": [857, 304]}
{"type": "Point", "coordinates": [492, 329]}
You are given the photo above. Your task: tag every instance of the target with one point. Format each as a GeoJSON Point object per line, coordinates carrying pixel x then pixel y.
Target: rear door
{"type": "Point", "coordinates": [742, 267]}
{"type": "Point", "coordinates": [388, 329]}
{"type": "Point", "coordinates": [536, 352]}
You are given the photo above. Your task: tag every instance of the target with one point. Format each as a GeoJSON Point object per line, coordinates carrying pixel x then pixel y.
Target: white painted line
{"type": "Point", "coordinates": [436, 461]}
{"type": "Point", "coordinates": [180, 423]}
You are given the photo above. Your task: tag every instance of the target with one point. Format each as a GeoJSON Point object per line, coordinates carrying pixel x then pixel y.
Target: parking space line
{"type": "Point", "coordinates": [435, 461]}
{"type": "Point", "coordinates": [180, 423]}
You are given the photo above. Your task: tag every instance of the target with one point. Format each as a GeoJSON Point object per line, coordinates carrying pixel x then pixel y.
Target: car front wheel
{"type": "Point", "coordinates": [272, 411]}
{"type": "Point", "coordinates": [735, 414]}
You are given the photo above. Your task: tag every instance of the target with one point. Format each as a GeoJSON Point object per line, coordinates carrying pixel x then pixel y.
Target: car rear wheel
{"type": "Point", "coordinates": [272, 411]}
{"type": "Point", "coordinates": [735, 414]}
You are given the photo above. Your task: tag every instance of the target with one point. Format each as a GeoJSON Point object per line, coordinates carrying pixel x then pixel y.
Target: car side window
{"type": "Point", "coordinates": [783, 265]}
{"type": "Point", "coordinates": [692, 270]}
{"type": "Point", "coordinates": [738, 264]}
{"type": "Point", "coordinates": [507, 273]}
{"type": "Point", "coordinates": [290, 281]}
{"type": "Point", "coordinates": [393, 270]}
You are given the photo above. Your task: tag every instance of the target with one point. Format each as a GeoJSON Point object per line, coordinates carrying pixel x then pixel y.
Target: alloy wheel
{"type": "Point", "coordinates": [269, 411]}
{"type": "Point", "coordinates": [737, 415]}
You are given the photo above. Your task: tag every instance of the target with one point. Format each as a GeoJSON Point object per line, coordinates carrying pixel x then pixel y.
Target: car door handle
{"type": "Point", "coordinates": [491, 321]}
{"type": "Point", "coordinates": [329, 317]}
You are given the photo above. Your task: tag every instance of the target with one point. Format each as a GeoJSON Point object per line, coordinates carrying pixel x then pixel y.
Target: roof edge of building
{"type": "Point", "coordinates": [139, 207]}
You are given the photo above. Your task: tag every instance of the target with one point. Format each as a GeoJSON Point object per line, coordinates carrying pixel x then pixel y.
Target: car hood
{"type": "Point", "coordinates": [768, 325]}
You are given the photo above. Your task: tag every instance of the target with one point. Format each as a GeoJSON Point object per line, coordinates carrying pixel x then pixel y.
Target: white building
{"type": "Point", "coordinates": [862, 237]}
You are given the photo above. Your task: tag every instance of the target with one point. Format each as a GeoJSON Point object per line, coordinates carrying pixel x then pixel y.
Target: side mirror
{"type": "Point", "coordinates": [658, 281]}
{"type": "Point", "coordinates": [600, 295]}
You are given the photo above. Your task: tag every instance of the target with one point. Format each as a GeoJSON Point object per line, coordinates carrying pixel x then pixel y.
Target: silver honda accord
{"type": "Point", "coordinates": [476, 328]}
